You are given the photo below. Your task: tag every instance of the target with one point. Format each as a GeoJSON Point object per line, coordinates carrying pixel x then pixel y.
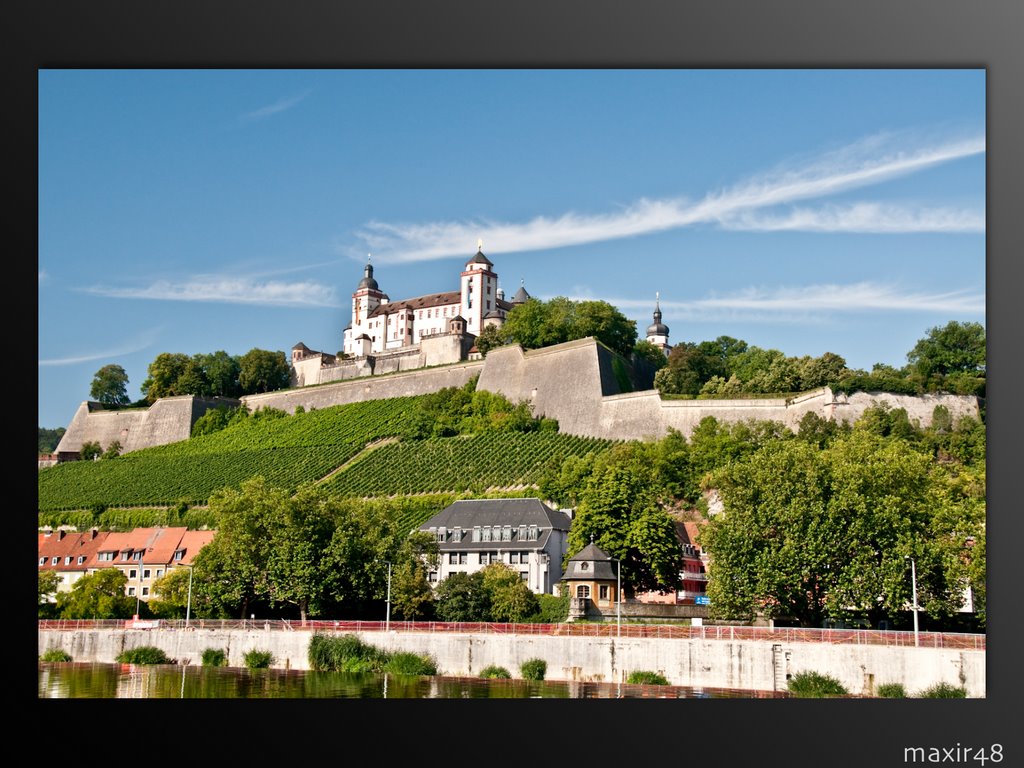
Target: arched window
{"type": "Point", "coordinates": [583, 591]}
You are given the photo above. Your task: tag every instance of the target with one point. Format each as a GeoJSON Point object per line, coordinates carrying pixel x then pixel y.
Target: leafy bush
{"type": "Point", "coordinates": [347, 653]}
{"type": "Point", "coordinates": [944, 691]}
{"type": "Point", "coordinates": [495, 673]}
{"type": "Point", "coordinates": [215, 657]}
{"type": "Point", "coordinates": [258, 659]}
{"type": "Point", "coordinates": [144, 654]}
{"type": "Point", "coordinates": [56, 654]}
{"type": "Point", "coordinates": [554, 609]}
{"type": "Point", "coordinates": [892, 691]}
{"type": "Point", "coordinates": [410, 664]}
{"type": "Point", "coordinates": [642, 677]}
{"type": "Point", "coordinates": [533, 669]}
{"type": "Point", "coordinates": [813, 685]}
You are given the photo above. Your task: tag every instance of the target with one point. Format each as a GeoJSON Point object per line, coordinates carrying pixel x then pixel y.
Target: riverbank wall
{"type": "Point", "coordinates": [705, 663]}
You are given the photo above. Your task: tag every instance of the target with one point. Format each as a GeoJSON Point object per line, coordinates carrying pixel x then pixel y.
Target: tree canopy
{"type": "Point", "coordinates": [538, 323]}
{"type": "Point", "coordinates": [110, 385]}
{"type": "Point", "coordinates": [99, 595]}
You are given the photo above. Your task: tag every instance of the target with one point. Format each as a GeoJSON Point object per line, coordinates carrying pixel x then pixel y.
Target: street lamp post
{"type": "Point", "coordinates": [188, 607]}
{"type": "Point", "coordinates": [138, 593]}
{"type": "Point", "coordinates": [913, 577]}
{"type": "Point", "coordinates": [387, 620]}
{"type": "Point", "coordinates": [618, 598]}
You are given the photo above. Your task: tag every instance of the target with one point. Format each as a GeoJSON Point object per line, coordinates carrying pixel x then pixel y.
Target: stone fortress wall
{"type": "Point", "coordinates": [574, 382]}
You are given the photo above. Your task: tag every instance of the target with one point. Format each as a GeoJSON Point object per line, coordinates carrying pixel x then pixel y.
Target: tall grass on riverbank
{"type": "Point", "coordinates": [347, 653]}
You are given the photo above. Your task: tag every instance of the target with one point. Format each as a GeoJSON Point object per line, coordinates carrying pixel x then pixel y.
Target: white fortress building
{"type": "Point", "coordinates": [379, 324]}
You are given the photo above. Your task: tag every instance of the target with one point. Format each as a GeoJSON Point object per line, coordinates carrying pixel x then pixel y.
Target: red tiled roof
{"type": "Point", "coordinates": [73, 545]}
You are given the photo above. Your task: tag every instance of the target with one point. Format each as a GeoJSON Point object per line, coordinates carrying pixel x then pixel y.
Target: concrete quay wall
{"type": "Point", "coordinates": [738, 664]}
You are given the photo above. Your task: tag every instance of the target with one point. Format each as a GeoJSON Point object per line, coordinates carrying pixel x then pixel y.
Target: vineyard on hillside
{"type": "Point", "coordinates": [286, 451]}
{"type": "Point", "coordinates": [458, 464]}
{"type": "Point", "coordinates": [291, 450]}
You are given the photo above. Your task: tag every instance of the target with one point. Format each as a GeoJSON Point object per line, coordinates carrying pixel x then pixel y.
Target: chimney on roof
{"type": "Point", "coordinates": [94, 532]}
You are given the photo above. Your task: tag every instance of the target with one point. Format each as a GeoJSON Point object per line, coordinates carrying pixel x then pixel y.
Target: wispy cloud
{"type": "Point", "coordinates": [862, 217]}
{"type": "Point", "coordinates": [139, 343]}
{"type": "Point", "coordinates": [273, 109]}
{"type": "Point", "coordinates": [787, 302]}
{"type": "Point", "coordinates": [227, 290]}
{"type": "Point", "coordinates": [867, 162]}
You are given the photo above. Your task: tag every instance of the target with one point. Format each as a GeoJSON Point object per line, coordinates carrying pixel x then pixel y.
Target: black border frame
{"type": "Point", "coordinates": [589, 34]}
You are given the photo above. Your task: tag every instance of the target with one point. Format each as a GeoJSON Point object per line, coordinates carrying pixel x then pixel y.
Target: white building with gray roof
{"type": "Point", "coordinates": [524, 534]}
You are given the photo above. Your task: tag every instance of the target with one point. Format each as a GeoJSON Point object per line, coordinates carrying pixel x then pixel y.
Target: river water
{"type": "Point", "coordinates": [73, 680]}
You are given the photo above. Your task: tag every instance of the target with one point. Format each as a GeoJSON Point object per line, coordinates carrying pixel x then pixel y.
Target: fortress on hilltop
{"type": "Point", "coordinates": [427, 343]}
{"type": "Point", "coordinates": [386, 336]}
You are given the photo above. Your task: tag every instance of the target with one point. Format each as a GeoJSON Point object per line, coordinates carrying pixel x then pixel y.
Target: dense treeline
{"type": "Point", "coordinates": [818, 525]}
{"type": "Point", "coordinates": [950, 358]}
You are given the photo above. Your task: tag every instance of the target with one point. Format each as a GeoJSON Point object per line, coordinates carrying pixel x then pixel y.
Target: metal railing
{"type": "Point", "coordinates": [965, 641]}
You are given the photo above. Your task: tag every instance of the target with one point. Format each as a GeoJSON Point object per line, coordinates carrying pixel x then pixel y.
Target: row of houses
{"type": "Point", "coordinates": [143, 554]}
{"type": "Point", "coordinates": [527, 535]}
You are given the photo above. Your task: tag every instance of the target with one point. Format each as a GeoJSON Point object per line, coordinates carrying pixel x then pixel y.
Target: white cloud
{"type": "Point", "coordinates": [862, 217]}
{"type": "Point", "coordinates": [275, 108]}
{"type": "Point", "coordinates": [867, 162]}
{"type": "Point", "coordinates": [789, 302]}
{"type": "Point", "coordinates": [228, 291]}
{"type": "Point", "coordinates": [132, 346]}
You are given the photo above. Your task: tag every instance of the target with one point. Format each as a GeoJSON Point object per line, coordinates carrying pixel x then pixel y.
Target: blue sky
{"type": "Point", "coordinates": [808, 211]}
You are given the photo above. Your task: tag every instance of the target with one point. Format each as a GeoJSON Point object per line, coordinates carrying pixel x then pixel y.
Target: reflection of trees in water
{"type": "Point", "coordinates": [169, 681]}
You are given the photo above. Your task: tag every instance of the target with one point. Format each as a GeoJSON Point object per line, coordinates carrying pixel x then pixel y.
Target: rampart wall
{"type": "Point", "coordinates": [574, 383]}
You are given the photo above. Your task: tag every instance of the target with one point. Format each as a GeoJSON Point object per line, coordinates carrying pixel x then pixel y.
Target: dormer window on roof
{"type": "Point", "coordinates": [179, 554]}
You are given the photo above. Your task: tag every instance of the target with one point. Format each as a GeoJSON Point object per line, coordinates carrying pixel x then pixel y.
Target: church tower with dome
{"type": "Point", "coordinates": [657, 332]}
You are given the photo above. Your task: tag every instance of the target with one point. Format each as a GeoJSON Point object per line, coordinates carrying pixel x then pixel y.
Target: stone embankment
{"type": "Point", "coordinates": [714, 661]}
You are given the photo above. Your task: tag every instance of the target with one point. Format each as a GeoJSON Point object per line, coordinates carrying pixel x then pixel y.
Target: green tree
{"type": "Point", "coordinates": [261, 370]}
{"type": "Point", "coordinates": [645, 350]}
{"type": "Point", "coordinates": [952, 348]}
{"type": "Point", "coordinates": [110, 385]}
{"type": "Point", "coordinates": [49, 581]}
{"type": "Point", "coordinates": [170, 598]}
{"type": "Point", "coordinates": [90, 450]}
{"type": "Point", "coordinates": [162, 376]}
{"type": "Point", "coordinates": [113, 450]}
{"type": "Point", "coordinates": [192, 380]}
{"type": "Point", "coordinates": [818, 533]}
{"type": "Point", "coordinates": [490, 338]}
{"type": "Point", "coordinates": [540, 323]}
{"type": "Point", "coordinates": [222, 373]}
{"type": "Point", "coordinates": [619, 510]}
{"type": "Point", "coordinates": [49, 439]}
{"type": "Point", "coordinates": [463, 597]}
{"type": "Point", "coordinates": [99, 595]}
{"type": "Point", "coordinates": [511, 599]}
{"type": "Point", "coordinates": [411, 595]}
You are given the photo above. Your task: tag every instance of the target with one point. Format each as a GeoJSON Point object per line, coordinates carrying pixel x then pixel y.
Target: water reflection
{"type": "Point", "coordinates": [168, 681]}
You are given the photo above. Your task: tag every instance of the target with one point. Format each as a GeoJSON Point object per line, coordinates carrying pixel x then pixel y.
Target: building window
{"type": "Point", "coordinates": [145, 591]}
{"type": "Point", "coordinates": [604, 591]}
{"type": "Point", "coordinates": [124, 555]}
{"type": "Point", "coordinates": [506, 533]}
{"type": "Point", "coordinates": [456, 534]}
{"type": "Point", "coordinates": [513, 558]}
{"type": "Point", "coordinates": [159, 572]}
{"type": "Point", "coordinates": [583, 592]}
{"type": "Point", "coordinates": [463, 559]}
{"type": "Point", "coordinates": [533, 533]}
{"type": "Point", "coordinates": [477, 533]}
{"type": "Point", "coordinates": [442, 534]}
{"type": "Point", "coordinates": [42, 561]}
{"type": "Point", "coordinates": [131, 591]}
{"type": "Point", "coordinates": [432, 577]}
{"type": "Point", "coordinates": [522, 532]}
{"type": "Point", "coordinates": [486, 533]}
{"type": "Point", "coordinates": [145, 573]}
{"type": "Point", "coordinates": [81, 559]}
{"type": "Point", "coordinates": [453, 558]}
{"type": "Point", "coordinates": [55, 560]}
{"type": "Point", "coordinates": [179, 554]}
{"type": "Point", "coordinates": [524, 575]}
{"type": "Point", "coordinates": [133, 574]}
{"type": "Point", "coordinates": [67, 560]}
